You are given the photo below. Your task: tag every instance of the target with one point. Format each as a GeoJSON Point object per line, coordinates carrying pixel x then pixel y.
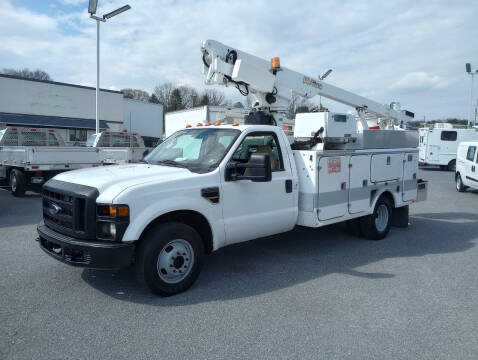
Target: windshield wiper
{"type": "Point", "coordinates": [170, 163]}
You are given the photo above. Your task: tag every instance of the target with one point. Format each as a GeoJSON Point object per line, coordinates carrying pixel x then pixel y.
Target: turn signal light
{"type": "Point", "coordinates": [217, 123]}
{"type": "Point", "coordinates": [208, 124]}
{"type": "Point", "coordinates": [113, 210]}
{"type": "Point", "coordinates": [199, 124]}
{"type": "Point", "coordinates": [188, 126]}
{"type": "Point", "coordinates": [235, 123]}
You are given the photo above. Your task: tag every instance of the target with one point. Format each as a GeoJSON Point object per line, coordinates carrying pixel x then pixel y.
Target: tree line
{"type": "Point", "coordinates": [180, 97]}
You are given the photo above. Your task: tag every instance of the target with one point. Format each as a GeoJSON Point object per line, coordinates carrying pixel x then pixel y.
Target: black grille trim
{"type": "Point", "coordinates": [77, 203]}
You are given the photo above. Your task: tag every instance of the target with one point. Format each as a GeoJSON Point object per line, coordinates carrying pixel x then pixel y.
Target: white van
{"type": "Point", "coordinates": [466, 166]}
{"type": "Point", "coordinates": [438, 146]}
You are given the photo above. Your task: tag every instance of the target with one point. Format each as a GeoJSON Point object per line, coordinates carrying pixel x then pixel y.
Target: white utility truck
{"type": "Point", "coordinates": [118, 147]}
{"type": "Point", "coordinates": [466, 174]}
{"type": "Point", "coordinates": [438, 146]}
{"type": "Point", "coordinates": [208, 186]}
{"type": "Point", "coordinates": [31, 156]}
{"type": "Point", "coordinates": [177, 120]}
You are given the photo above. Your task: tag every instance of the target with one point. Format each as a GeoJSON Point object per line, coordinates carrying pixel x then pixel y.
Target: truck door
{"type": "Point", "coordinates": [359, 191]}
{"type": "Point", "coordinates": [333, 186]}
{"type": "Point", "coordinates": [410, 171]}
{"type": "Point", "coordinates": [256, 209]}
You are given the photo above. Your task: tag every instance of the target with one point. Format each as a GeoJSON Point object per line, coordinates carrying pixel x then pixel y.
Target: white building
{"type": "Point", "coordinates": [71, 109]}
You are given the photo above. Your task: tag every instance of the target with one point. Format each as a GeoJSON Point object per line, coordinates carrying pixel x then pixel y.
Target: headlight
{"type": "Point", "coordinates": [111, 221]}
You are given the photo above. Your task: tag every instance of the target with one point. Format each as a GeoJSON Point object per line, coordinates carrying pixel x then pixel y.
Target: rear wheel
{"type": "Point", "coordinates": [459, 183]}
{"type": "Point", "coordinates": [377, 225]}
{"type": "Point", "coordinates": [170, 258]}
{"type": "Point", "coordinates": [18, 183]}
{"type": "Point", "coordinates": [452, 165]}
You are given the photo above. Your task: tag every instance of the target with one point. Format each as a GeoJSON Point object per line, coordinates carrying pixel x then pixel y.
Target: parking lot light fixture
{"type": "Point", "coordinates": [92, 11]}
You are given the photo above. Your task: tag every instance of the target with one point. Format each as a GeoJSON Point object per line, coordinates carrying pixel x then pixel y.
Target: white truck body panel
{"type": "Point", "coordinates": [48, 158]}
{"type": "Point", "coordinates": [143, 118]}
{"type": "Point", "coordinates": [177, 120]}
{"type": "Point", "coordinates": [438, 146]}
{"type": "Point", "coordinates": [467, 163]}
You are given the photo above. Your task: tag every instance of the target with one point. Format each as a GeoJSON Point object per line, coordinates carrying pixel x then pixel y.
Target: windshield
{"type": "Point", "coordinates": [199, 150]}
{"type": "Point", "coordinates": [91, 140]}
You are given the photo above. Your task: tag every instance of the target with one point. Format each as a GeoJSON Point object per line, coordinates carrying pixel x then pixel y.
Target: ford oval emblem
{"type": "Point", "coordinates": [54, 209]}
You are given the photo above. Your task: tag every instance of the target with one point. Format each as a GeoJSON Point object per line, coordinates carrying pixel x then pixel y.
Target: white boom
{"type": "Point", "coordinates": [271, 89]}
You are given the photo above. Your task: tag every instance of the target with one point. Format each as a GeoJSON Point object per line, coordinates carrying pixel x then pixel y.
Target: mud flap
{"type": "Point", "coordinates": [400, 217]}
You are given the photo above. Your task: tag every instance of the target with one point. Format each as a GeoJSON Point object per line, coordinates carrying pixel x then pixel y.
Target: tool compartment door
{"type": "Point", "coordinates": [359, 192]}
{"type": "Point", "coordinates": [386, 167]}
{"type": "Point", "coordinates": [333, 186]}
{"type": "Point", "coordinates": [410, 172]}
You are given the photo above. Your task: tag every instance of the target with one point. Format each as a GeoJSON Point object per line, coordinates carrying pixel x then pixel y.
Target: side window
{"type": "Point", "coordinates": [470, 155]}
{"type": "Point", "coordinates": [104, 141]}
{"type": "Point", "coordinates": [135, 142]}
{"type": "Point", "coordinates": [260, 143]}
{"type": "Point", "coordinates": [119, 140]}
{"type": "Point", "coordinates": [52, 140]}
{"type": "Point", "coordinates": [448, 135]}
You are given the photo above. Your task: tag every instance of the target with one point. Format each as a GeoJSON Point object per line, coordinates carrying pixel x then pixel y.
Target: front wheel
{"type": "Point", "coordinates": [377, 225]}
{"type": "Point", "coordinates": [170, 258]}
{"type": "Point", "coordinates": [459, 183]}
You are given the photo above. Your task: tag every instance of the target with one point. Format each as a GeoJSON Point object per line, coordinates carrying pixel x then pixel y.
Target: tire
{"type": "Point", "coordinates": [377, 225]}
{"type": "Point", "coordinates": [452, 165]}
{"type": "Point", "coordinates": [170, 258]}
{"type": "Point", "coordinates": [18, 183]}
{"type": "Point", "coordinates": [459, 183]}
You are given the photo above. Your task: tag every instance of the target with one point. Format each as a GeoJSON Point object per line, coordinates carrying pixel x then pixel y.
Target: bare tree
{"type": "Point", "coordinates": [298, 104]}
{"type": "Point", "coordinates": [136, 94]}
{"type": "Point", "coordinates": [212, 97]}
{"type": "Point", "coordinates": [163, 93]}
{"type": "Point", "coordinates": [189, 96]}
{"type": "Point", "coordinates": [28, 74]}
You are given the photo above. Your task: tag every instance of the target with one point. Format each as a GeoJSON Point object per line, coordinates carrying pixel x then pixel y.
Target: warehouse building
{"type": "Point", "coordinates": [71, 110]}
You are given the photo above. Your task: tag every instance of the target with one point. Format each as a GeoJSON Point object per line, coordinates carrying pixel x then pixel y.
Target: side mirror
{"type": "Point", "coordinates": [257, 169]}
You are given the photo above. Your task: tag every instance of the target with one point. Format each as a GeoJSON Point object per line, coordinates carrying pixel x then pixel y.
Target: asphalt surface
{"type": "Point", "coordinates": [308, 294]}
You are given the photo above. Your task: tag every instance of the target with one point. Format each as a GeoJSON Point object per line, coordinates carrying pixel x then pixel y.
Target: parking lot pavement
{"type": "Point", "coordinates": [306, 294]}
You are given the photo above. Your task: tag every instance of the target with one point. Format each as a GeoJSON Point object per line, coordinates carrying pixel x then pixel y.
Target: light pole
{"type": "Point", "coordinates": [92, 10]}
{"type": "Point", "coordinates": [468, 70]}
{"type": "Point", "coordinates": [327, 73]}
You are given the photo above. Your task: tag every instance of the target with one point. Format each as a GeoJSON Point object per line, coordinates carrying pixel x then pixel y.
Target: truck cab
{"type": "Point", "coordinates": [201, 189]}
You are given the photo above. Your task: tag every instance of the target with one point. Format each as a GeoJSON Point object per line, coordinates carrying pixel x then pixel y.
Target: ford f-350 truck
{"type": "Point", "coordinates": [207, 187]}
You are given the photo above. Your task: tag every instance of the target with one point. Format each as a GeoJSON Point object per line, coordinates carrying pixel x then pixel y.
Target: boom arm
{"type": "Point", "coordinates": [272, 89]}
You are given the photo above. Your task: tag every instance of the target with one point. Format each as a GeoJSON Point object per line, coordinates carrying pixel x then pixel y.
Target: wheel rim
{"type": "Point", "coordinates": [175, 261]}
{"type": "Point", "coordinates": [13, 182]}
{"type": "Point", "coordinates": [381, 217]}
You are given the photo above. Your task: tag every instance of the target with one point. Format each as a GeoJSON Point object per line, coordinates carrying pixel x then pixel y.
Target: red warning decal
{"type": "Point", "coordinates": [334, 165]}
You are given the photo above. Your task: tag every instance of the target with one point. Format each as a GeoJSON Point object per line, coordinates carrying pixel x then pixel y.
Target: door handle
{"type": "Point", "coordinates": [288, 186]}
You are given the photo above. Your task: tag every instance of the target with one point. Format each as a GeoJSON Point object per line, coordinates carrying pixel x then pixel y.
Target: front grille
{"type": "Point", "coordinates": [59, 208]}
{"type": "Point", "coordinates": [70, 208]}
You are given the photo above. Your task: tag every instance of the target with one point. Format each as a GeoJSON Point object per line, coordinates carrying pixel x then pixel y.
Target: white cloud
{"type": "Point", "coordinates": [377, 49]}
{"type": "Point", "coordinates": [419, 81]}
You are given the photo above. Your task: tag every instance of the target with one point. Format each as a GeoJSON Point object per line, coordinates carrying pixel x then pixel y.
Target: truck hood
{"type": "Point", "coordinates": [117, 178]}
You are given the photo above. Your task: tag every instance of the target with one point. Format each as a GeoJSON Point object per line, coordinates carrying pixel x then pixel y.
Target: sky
{"type": "Point", "coordinates": [413, 52]}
